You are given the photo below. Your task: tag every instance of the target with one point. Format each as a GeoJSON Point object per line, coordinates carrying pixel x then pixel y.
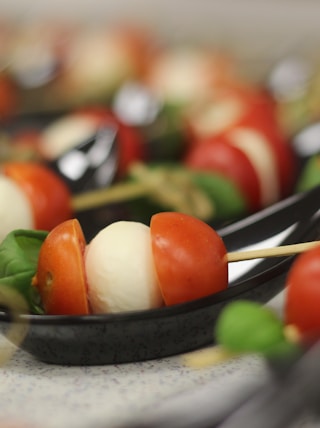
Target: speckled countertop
{"type": "Point", "coordinates": [51, 396]}
{"type": "Point", "coordinates": [39, 395]}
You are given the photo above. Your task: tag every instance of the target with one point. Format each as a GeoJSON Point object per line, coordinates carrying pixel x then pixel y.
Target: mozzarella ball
{"type": "Point", "coordinates": [120, 269]}
{"type": "Point", "coordinates": [15, 208]}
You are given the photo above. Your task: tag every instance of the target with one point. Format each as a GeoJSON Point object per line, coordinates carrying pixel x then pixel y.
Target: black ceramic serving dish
{"type": "Point", "coordinates": [150, 334]}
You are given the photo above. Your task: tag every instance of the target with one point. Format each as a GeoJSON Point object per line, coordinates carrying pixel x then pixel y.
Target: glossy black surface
{"type": "Point", "coordinates": [160, 126]}
{"type": "Point", "coordinates": [137, 336]}
{"type": "Point", "coordinates": [92, 164]}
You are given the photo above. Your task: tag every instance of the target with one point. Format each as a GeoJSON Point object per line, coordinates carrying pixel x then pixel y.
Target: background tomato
{"type": "Point", "coordinates": [189, 257]}
{"type": "Point", "coordinates": [247, 117]}
{"type": "Point", "coordinates": [49, 195]}
{"type": "Point", "coordinates": [302, 307]}
{"type": "Point", "coordinates": [8, 97]}
{"type": "Point", "coordinates": [216, 155]}
{"type": "Point", "coordinates": [60, 276]}
{"type": "Point", "coordinates": [232, 106]}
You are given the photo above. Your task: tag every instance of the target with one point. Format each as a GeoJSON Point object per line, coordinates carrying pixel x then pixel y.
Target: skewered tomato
{"type": "Point", "coordinates": [216, 155]}
{"type": "Point", "coordinates": [8, 97]}
{"type": "Point", "coordinates": [60, 277]}
{"type": "Point", "coordinates": [232, 106]}
{"type": "Point", "coordinates": [189, 257]}
{"type": "Point", "coordinates": [303, 295]}
{"type": "Point", "coordinates": [247, 118]}
{"type": "Point", "coordinates": [48, 194]}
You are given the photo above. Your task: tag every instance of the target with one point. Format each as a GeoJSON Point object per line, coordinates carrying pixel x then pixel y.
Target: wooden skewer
{"type": "Point", "coordinates": [284, 250]}
{"type": "Point", "coordinates": [17, 331]}
{"type": "Point", "coordinates": [155, 183]}
{"type": "Point", "coordinates": [168, 188]}
{"type": "Point", "coordinates": [113, 194]}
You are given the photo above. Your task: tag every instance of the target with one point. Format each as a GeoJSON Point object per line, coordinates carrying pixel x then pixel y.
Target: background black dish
{"type": "Point", "coordinates": [137, 336]}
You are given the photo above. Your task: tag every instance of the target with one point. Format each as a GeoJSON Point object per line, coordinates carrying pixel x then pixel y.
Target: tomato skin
{"type": "Point", "coordinates": [253, 109]}
{"type": "Point", "coordinates": [215, 154]}
{"type": "Point", "coordinates": [264, 118]}
{"type": "Point", "coordinates": [8, 97]}
{"type": "Point", "coordinates": [189, 257]}
{"type": "Point", "coordinates": [49, 195]}
{"type": "Point", "coordinates": [232, 106]}
{"type": "Point", "coordinates": [60, 277]}
{"type": "Point", "coordinates": [302, 305]}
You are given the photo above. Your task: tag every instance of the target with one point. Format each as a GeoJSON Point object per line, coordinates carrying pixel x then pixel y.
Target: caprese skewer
{"type": "Point", "coordinates": [176, 259]}
{"type": "Point", "coordinates": [128, 266]}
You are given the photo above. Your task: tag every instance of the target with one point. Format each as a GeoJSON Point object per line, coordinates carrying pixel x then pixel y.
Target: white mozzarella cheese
{"type": "Point", "coordinates": [15, 208]}
{"type": "Point", "coordinates": [258, 150]}
{"type": "Point", "coordinates": [120, 269]}
{"type": "Point", "coordinates": [181, 76]}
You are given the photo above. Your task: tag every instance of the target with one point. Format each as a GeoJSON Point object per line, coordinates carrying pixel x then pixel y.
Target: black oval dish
{"type": "Point", "coordinates": [138, 336]}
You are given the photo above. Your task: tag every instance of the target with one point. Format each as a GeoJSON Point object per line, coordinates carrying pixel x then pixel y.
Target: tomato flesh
{"type": "Point", "coordinates": [60, 277]}
{"type": "Point", "coordinates": [189, 257]}
{"type": "Point", "coordinates": [49, 196]}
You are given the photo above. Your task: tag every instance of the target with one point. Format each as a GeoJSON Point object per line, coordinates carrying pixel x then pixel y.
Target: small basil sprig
{"type": "Point", "coordinates": [248, 327]}
{"type": "Point", "coordinates": [19, 253]}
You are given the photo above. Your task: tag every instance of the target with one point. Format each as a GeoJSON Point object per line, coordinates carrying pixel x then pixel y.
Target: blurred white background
{"type": "Point", "coordinates": [259, 29]}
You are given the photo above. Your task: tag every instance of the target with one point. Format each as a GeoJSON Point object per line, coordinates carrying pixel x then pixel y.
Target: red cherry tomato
{"type": "Point", "coordinates": [28, 142]}
{"type": "Point", "coordinates": [8, 97]}
{"type": "Point", "coordinates": [230, 106]}
{"type": "Point", "coordinates": [215, 154]}
{"type": "Point", "coordinates": [263, 117]}
{"type": "Point", "coordinates": [49, 196]}
{"type": "Point", "coordinates": [247, 109]}
{"type": "Point", "coordinates": [60, 276]}
{"type": "Point", "coordinates": [131, 147]}
{"type": "Point", "coordinates": [302, 306]}
{"type": "Point", "coordinates": [189, 257]}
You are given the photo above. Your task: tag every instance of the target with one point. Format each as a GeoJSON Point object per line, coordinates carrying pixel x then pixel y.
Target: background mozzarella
{"type": "Point", "coordinates": [15, 208]}
{"type": "Point", "coordinates": [259, 151]}
{"type": "Point", "coordinates": [120, 269]}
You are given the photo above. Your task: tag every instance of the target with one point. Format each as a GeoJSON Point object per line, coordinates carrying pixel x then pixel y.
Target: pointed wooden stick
{"type": "Point", "coordinates": [284, 250]}
{"type": "Point", "coordinates": [173, 188]}
{"type": "Point", "coordinates": [113, 194]}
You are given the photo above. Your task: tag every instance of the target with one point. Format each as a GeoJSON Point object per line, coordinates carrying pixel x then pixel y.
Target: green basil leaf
{"type": "Point", "coordinates": [248, 327]}
{"type": "Point", "coordinates": [226, 198]}
{"type": "Point", "coordinates": [19, 253]}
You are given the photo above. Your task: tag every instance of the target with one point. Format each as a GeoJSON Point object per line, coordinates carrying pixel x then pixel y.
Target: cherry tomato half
{"type": "Point", "coordinates": [231, 106]}
{"type": "Point", "coordinates": [302, 306]}
{"type": "Point", "coordinates": [49, 196]}
{"type": "Point", "coordinates": [215, 154]}
{"type": "Point", "coordinates": [60, 277]}
{"type": "Point", "coordinates": [249, 111]}
{"type": "Point", "coordinates": [189, 257]}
